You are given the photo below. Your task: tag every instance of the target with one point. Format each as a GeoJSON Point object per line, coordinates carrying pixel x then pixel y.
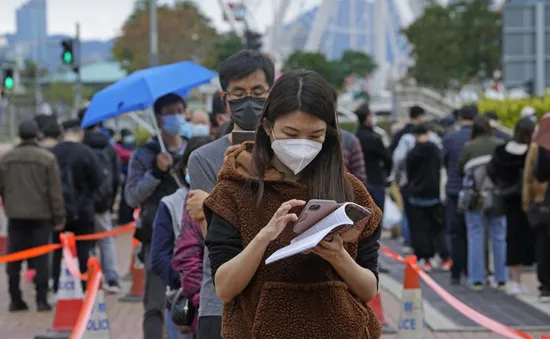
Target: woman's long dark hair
{"type": "Point", "coordinates": [524, 130]}
{"type": "Point", "coordinates": [481, 127]}
{"type": "Point", "coordinates": [305, 91]}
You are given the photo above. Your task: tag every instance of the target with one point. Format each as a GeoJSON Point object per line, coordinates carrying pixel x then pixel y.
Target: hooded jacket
{"type": "Point", "coordinates": [301, 296]}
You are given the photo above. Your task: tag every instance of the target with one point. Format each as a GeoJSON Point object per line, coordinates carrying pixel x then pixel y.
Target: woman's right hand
{"type": "Point", "coordinates": [280, 219]}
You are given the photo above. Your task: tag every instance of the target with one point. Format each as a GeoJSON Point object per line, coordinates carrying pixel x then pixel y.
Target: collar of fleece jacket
{"type": "Point", "coordinates": [301, 296]}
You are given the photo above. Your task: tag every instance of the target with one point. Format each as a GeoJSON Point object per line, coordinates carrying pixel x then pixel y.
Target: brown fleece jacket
{"type": "Point", "coordinates": [300, 297]}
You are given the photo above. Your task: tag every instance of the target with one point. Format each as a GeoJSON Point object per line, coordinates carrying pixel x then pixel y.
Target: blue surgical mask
{"type": "Point", "coordinates": [185, 128]}
{"type": "Point", "coordinates": [129, 139]}
{"type": "Point", "coordinates": [200, 130]}
{"type": "Point", "coordinates": [171, 124]}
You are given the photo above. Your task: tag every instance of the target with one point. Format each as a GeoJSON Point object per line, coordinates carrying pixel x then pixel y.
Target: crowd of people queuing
{"type": "Point", "coordinates": [211, 209]}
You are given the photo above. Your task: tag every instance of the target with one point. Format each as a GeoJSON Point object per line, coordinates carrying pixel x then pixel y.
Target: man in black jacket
{"type": "Point", "coordinates": [80, 177]}
{"type": "Point", "coordinates": [423, 166]}
{"type": "Point", "coordinates": [105, 195]}
{"type": "Point", "coordinates": [378, 161]}
{"type": "Point", "coordinates": [416, 117]}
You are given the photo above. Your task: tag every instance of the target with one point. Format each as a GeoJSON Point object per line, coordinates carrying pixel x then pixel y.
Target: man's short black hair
{"type": "Point", "coordinates": [469, 112]}
{"type": "Point", "coordinates": [492, 116]}
{"type": "Point", "coordinates": [28, 130]}
{"type": "Point", "coordinates": [72, 125]}
{"type": "Point", "coordinates": [363, 112]}
{"type": "Point", "coordinates": [242, 64]}
{"type": "Point", "coordinates": [168, 100]}
{"type": "Point", "coordinates": [51, 129]}
{"type": "Point", "coordinates": [421, 129]}
{"type": "Point", "coordinates": [416, 111]}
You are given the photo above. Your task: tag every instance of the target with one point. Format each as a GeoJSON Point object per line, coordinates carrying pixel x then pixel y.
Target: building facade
{"type": "Point", "coordinates": [32, 30]}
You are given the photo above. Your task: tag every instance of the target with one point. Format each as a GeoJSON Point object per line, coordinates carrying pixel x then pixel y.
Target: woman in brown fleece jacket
{"type": "Point", "coordinates": [261, 188]}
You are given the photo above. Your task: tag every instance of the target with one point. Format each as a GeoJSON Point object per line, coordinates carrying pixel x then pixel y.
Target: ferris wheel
{"type": "Point", "coordinates": [330, 27]}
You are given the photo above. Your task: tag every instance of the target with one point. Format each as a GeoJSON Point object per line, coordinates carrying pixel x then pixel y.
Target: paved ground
{"type": "Point", "coordinates": [126, 318]}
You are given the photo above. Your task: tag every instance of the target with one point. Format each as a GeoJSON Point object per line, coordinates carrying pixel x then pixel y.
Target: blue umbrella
{"type": "Point", "coordinates": [139, 90]}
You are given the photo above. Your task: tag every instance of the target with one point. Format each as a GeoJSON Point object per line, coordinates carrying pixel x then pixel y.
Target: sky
{"type": "Point", "coordinates": [102, 19]}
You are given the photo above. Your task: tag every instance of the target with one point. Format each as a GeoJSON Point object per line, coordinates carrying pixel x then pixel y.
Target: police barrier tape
{"type": "Point", "coordinates": [468, 312]}
{"type": "Point", "coordinates": [44, 249]}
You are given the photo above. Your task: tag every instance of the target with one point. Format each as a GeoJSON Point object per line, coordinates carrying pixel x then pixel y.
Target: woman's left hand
{"type": "Point", "coordinates": [331, 251]}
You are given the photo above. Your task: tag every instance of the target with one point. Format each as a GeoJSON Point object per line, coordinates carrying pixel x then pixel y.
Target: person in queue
{"type": "Point", "coordinates": [354, 159]}
{"type": "Point", "coordinates": [150, 178]}
{"type": "Point", "coordinates": [377, 158]}
{"type": "Point", "coordinates": [166, 229]}
{"type": "Point", "coordinates": [541, 173]}
{"type": "Point", "coordinates": [80, 178]}
{"type": "Point", "coordinates": [480, 215]}
{"type": "Point", "coordinates": [262, 187]}
{"type": "Point", "coordinates": [455, 225]}
{"type": "Point", "coordinates": [218, 115]}
{"type": "Point", "coordinates": [30, 186]}
{"type": "Point", "coordinates": [245, 78]}
{"type": "Point", "coordinates": [506, 172]}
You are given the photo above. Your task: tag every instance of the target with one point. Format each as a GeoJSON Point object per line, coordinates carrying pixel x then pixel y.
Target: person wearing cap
{"type": "Point", "coordinates": [30, 187]}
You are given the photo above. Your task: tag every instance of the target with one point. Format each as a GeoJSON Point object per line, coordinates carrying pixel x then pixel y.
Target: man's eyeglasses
{"type": "Point", "coordinates": [259, 92]}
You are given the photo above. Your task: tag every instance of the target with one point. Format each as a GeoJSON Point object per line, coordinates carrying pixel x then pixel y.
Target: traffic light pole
{"type": "Point", "coordinates": [153, 31]}
{"type": "Point", "coordinates": [78, 69]}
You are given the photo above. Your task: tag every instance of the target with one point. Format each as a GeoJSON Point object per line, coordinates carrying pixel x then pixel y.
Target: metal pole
{"type": "Point", "coordinates": [540, 30]}
{"type": "Point", "coordinates": [153, 30]}
{"type": "Point", "coordinates": [36, 52]}
{"type": "Point", "coordinates": [78, 70]}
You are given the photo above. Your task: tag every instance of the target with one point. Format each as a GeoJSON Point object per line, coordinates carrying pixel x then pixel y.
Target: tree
{"type": "Point", "coordinates": [351, 63]}
{"type": "Point", "coordinates": [454, 43]}
{"type": "Point", "coordinates": [184, 33]}
{"type": "Point", "coordinates": [227, 45]}
{"type": "Point", "coordinates": [356, 63]}
{"type": "Point", "coordinates": [312, 61]}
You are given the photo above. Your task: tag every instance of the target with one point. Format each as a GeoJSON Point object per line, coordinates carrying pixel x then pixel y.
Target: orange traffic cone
{"type": "Point", "coordinates": [376, 307]}
{"type": "Point", "coordinates": [3, 230]}
{"type": "Point", "coordinates": [411, 320]}
{"type": "Point", "coordinates": [98, 326]}
{"type": "Point", "coordinates": [69, 301]}
{"type": "Point", "coordinates": [137, 290]}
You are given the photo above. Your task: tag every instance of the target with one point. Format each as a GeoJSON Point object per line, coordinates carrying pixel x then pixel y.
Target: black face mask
{"type": "Point", "coordinates": [246, 112]}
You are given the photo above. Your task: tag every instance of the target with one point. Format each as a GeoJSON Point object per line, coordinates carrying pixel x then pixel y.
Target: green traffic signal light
{"type": "Point", "coordinates": [67, 57]}
{"type": "Point", "coordinates": [8, 83]}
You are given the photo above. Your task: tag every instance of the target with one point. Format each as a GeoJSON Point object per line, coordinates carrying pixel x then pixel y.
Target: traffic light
{"type": "Point", "coordinates": [253, 40]}
{"type": "Point", "coordinates": [67, 56]}
{"type": "Point", "coordinates": [8, 81]}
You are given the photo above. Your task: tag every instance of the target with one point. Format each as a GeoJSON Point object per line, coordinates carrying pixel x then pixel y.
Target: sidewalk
{"type": "Point", "coordinates": [125, 318]}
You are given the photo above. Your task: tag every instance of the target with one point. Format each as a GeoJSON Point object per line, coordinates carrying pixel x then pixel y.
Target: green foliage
{"type": "Point", "coordinates": [184, 33]}
{"type": "Point", "coordinates": [509, 110]}
{"type": "Point", "coordinates": [226, 45]}
{"type": "Point", "coordinates": [351, 63]}
{"type": "Point", "coordinates": [63, 93]}
{"type": "Point", "coordinates": [350, 126]}
{"type": "Point", "coordinates": [356, 63]}
{"type": "Point", "coordinates": [141, 135]}
{"type": "Point", "coordinates": [454, 43]}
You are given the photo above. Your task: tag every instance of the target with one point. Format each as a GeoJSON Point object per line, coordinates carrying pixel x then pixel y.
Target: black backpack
{"type": "Point", "coordinates": [103, 195]}
{"type": "Point", "coordinates": [69, 192]}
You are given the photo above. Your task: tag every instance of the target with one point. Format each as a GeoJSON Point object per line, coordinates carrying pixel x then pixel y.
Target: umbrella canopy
{"type": "Point", "coordinates": [139, 90]}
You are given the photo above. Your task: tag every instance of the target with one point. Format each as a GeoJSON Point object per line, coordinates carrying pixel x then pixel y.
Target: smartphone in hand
{"type": "Point", "coordinates": [314, 211]}
{"type": "Point", "coordinates": [242, 136]}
